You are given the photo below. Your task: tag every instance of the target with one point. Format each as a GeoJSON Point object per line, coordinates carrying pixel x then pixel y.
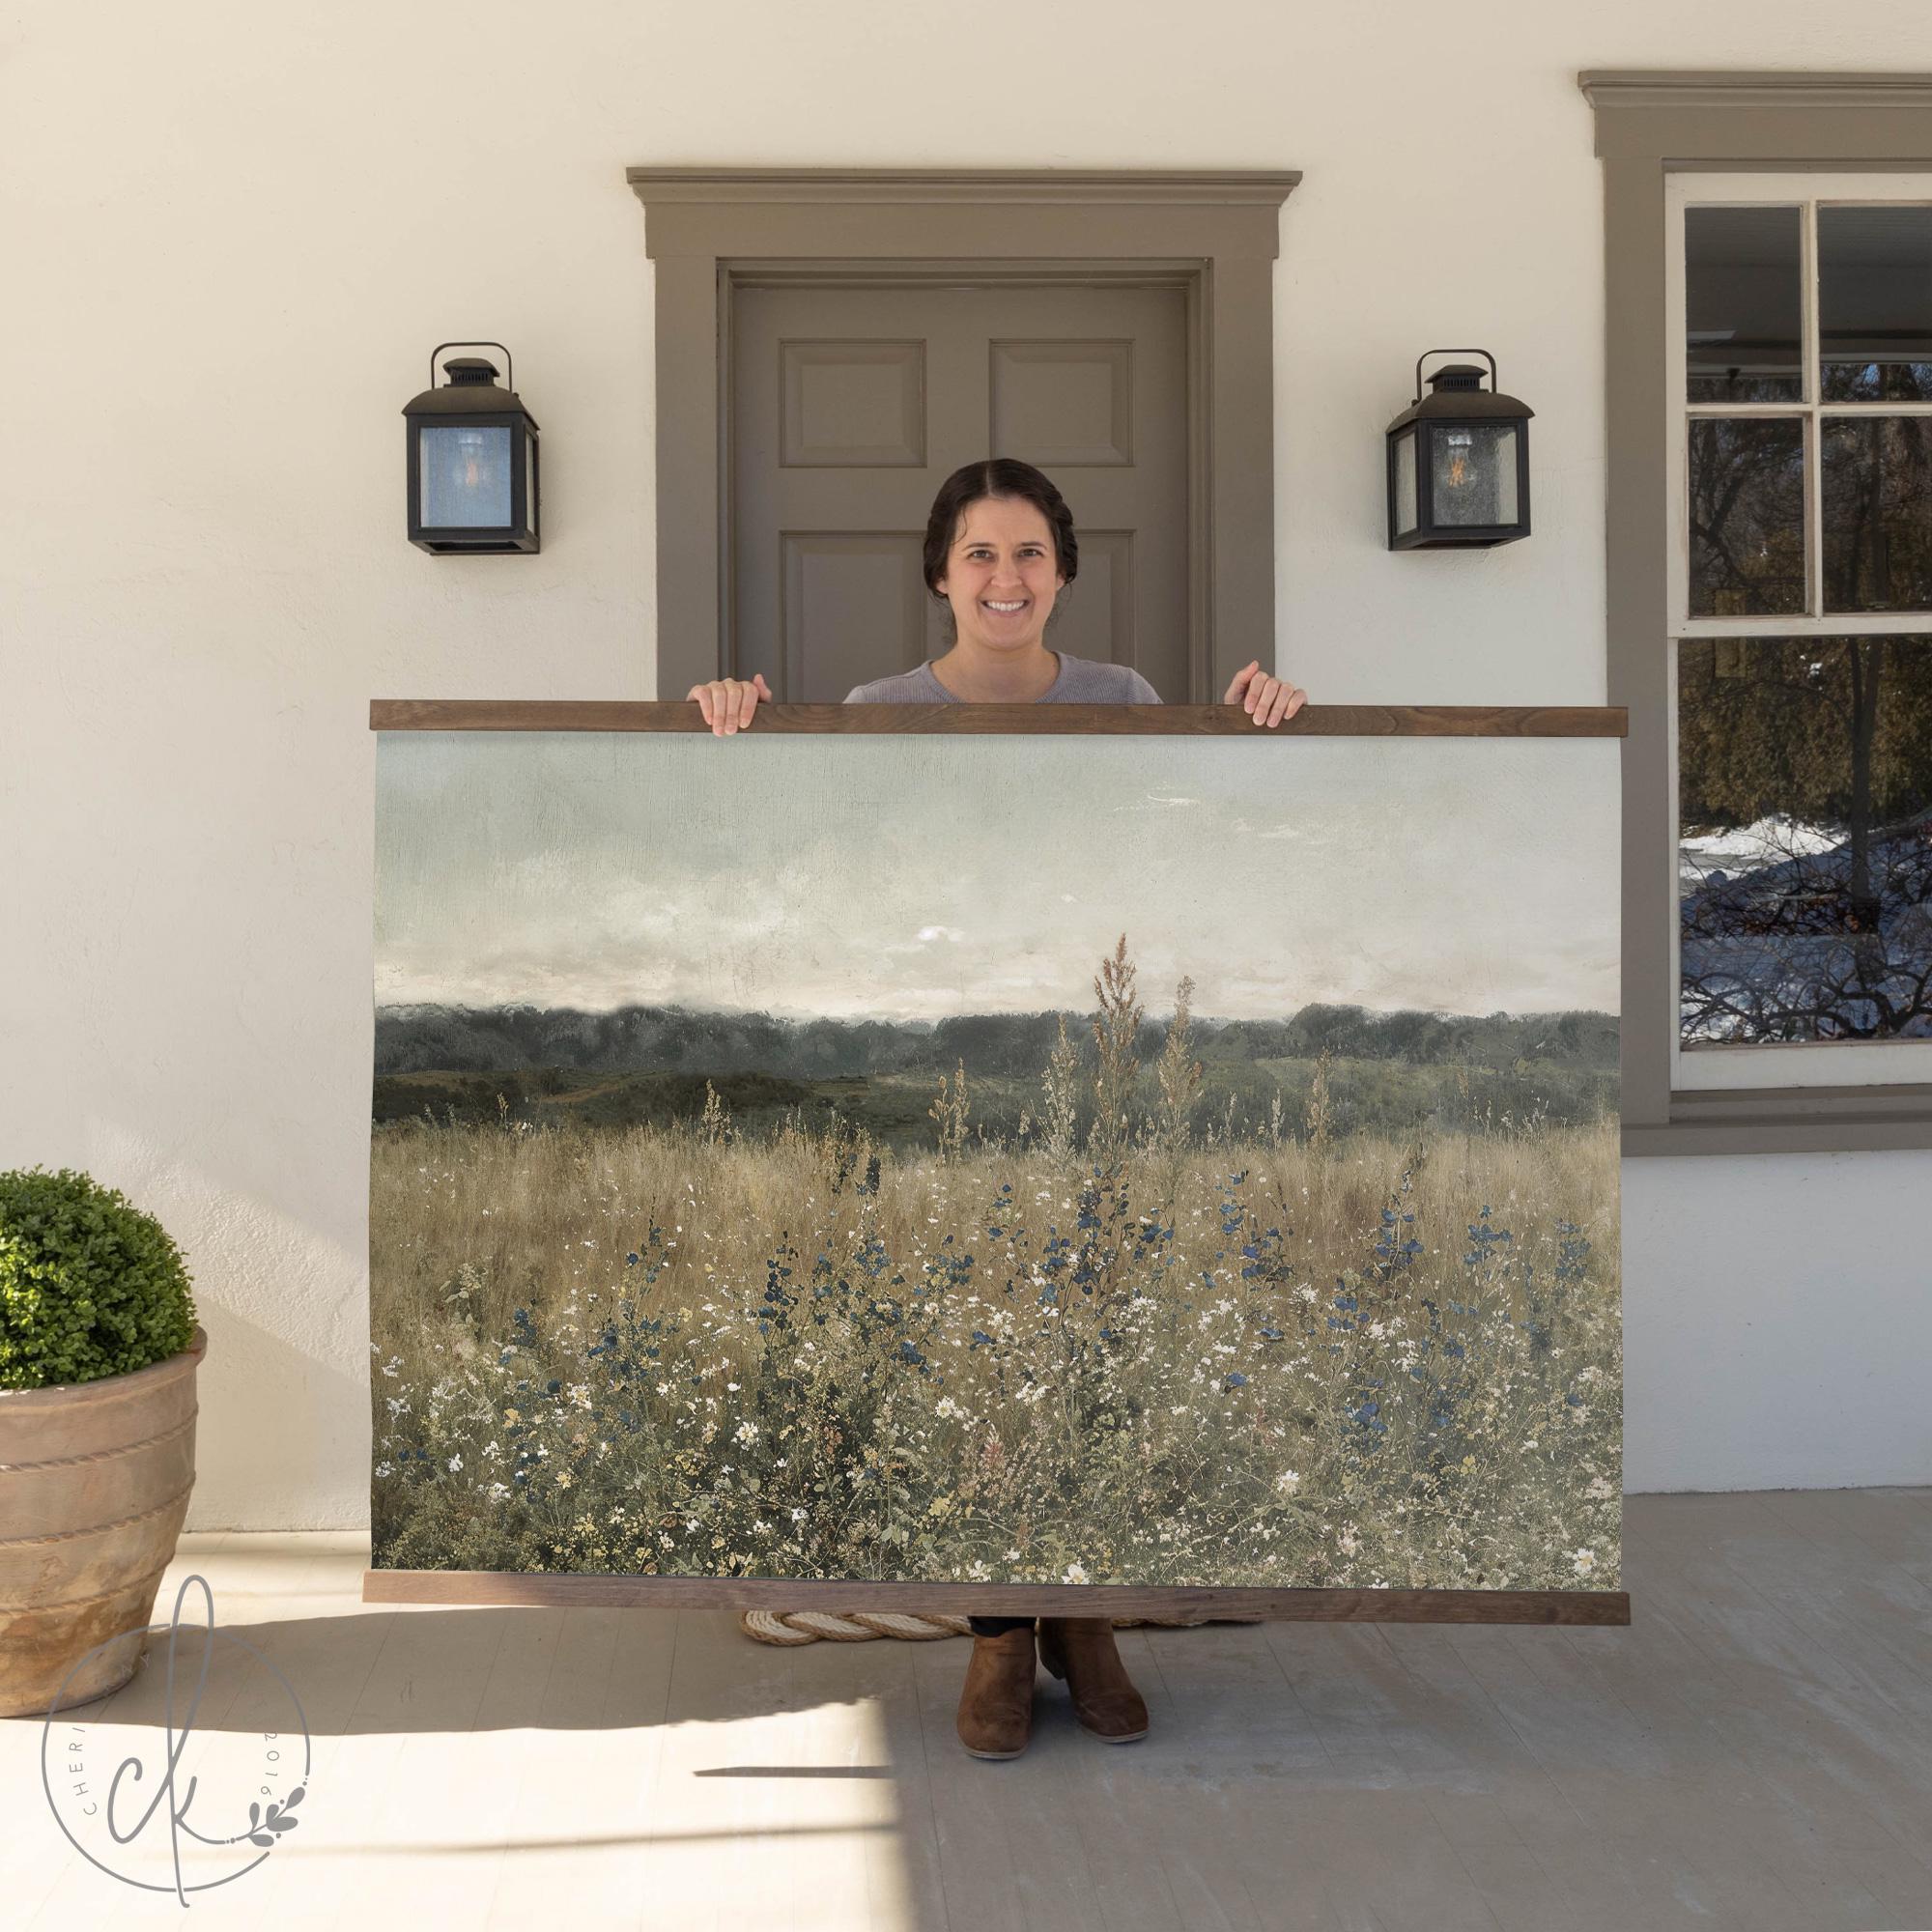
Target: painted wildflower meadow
{"type": "Point", "coordinates": [1185, 1162]}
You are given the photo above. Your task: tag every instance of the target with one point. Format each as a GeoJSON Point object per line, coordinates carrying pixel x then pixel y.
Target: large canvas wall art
{"type": "Point", "coordinates": [1170, 1159]}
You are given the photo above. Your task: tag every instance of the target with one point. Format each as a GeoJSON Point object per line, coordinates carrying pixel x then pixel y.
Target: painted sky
{"type": "Point", "coordinates": [921, 876]}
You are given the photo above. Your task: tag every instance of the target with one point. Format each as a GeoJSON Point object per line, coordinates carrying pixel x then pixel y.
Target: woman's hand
{"type": "Point", "coordinates": [1269, 700]}
{"type": "Point", "coordinates": [728, 704]}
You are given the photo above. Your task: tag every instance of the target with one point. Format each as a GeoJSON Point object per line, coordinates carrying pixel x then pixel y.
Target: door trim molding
{"type": "Point", "coordinates": [711, 230]}
{"type": "Point", "coordinates": [1258, 187]}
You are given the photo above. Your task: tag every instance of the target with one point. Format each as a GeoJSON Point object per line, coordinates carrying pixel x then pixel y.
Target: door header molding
{"type": "Point", "coordinates": [1267, 187]}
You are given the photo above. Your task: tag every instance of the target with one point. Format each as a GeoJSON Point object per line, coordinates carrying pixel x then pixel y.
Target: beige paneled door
{"type": "Point", "coordinates": [851, 404]}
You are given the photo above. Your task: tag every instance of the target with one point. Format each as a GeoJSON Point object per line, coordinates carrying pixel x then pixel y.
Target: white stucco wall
{"type": "Point", "coordinates": [230, 235]}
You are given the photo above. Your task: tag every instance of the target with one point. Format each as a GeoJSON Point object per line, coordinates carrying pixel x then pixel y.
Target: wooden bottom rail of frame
{"type": "Point", "coordinates": [577, 1591]}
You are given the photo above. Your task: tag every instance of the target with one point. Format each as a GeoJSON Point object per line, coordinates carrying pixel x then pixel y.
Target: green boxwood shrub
{"type": "Point", "coordinates": [89, 1285]}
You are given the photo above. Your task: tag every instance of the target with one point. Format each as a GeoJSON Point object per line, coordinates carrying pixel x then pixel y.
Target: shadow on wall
{"type": "Point", "coordinates": [282, 1440]}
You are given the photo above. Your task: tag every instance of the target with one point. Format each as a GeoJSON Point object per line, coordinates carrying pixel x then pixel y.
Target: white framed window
{"type": "Point", "coordinates": [1799, 443]}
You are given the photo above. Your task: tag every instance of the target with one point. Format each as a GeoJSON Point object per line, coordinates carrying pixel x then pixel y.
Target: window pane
{"type": "Point", "coordinates": [1877, 507]}
{"type": "Point", "coordinates": [1741, 304]}
{"type": "Point", "coordinates": [1805, 853]}
{"type": "Point", "coordinates": [1875, 304]}
{"type": "Point", "coordinates": [1746, 516]}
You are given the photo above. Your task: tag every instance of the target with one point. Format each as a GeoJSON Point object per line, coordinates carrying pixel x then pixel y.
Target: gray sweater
{"type": "Point", "coordinates": [1081, 681]}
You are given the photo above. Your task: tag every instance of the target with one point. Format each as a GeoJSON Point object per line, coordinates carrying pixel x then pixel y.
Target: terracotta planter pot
{"type": "Point", "coordinates": [94, 1488]}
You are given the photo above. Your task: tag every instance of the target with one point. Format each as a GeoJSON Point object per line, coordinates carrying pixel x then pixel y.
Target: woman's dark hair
{"type": "Point", "coordinates": [997, 476]}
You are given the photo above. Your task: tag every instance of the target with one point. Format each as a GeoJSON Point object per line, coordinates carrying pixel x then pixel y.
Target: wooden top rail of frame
{"type": "Point", "coordinates": [1312, 721]}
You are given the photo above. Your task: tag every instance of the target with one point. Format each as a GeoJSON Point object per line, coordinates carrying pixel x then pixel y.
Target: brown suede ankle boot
{"type": "Point", "coordinates": [996, 1703]}
{"type": "Point", "coordinates": [1082, 1651]}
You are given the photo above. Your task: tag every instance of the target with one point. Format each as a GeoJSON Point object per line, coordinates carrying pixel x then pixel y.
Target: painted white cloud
{"type": "Point", "coordinates": [1155, 798]}
{"type": "Point", "coordinates": [926, 937]}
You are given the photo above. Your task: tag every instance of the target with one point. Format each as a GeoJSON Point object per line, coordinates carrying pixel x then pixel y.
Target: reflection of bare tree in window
{"type": "Point", "coordinates": [1746, 516]}
{"type": "Point", "coordinates": [1852, 378]}
{"type": "Point", "coordinates": [1805, 780]}
{"type": "Point", "coordinates": [1877, 507]}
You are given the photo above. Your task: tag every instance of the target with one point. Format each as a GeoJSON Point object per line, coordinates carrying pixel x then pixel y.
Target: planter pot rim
{"type": "Point", "coordinates": [114, 1388]}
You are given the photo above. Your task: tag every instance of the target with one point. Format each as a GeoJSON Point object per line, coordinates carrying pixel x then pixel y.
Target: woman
{"type": "Point", "coordinates": [999, 551]}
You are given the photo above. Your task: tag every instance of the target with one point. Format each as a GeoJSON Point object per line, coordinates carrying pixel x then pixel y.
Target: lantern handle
{"type": "Point", "coordinates": [510, 368]}
{"type": "Point", "coordinates": [1495, 381]}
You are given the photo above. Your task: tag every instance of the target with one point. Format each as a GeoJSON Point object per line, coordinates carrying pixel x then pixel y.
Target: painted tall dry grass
{"type": "Point", "coordinates": [1143, 1362]}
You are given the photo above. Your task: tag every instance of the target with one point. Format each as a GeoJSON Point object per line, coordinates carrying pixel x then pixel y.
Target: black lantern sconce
{"type": "Point", "coordinates": [472, 461]}
{"type": "Point", "coordinates": [1459, 461]}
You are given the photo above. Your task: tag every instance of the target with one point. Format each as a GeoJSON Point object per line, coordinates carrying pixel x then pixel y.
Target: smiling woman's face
{"type": "Point", "coordinates": [1001, 575]}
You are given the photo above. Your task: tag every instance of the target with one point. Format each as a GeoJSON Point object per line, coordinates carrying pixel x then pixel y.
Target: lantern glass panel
{"type": "Point", "coordinates": [530, 483]}
{"type": "Point", "coordinates": [1472, 475]}
{"type": "Point", "coordinates": [1404, 483]}
{"type": "Point", "coordinates": [465, 476]}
